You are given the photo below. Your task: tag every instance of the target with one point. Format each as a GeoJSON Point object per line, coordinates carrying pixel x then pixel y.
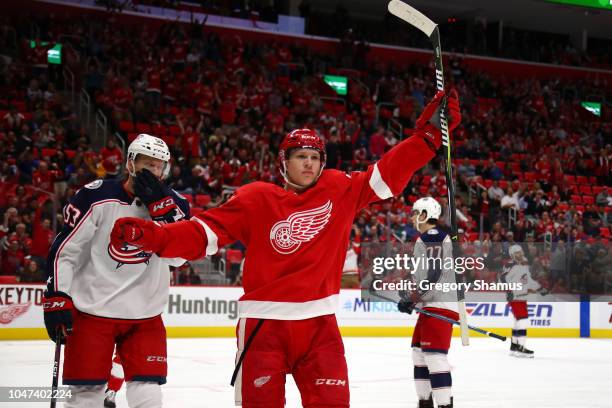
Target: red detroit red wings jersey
{"type": "Point", "coordinates": [296, 242]}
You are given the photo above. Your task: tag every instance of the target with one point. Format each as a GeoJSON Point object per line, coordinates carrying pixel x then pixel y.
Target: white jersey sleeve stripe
{"type": "Point", "coordinates": [378, 185]}
{"type": "Point", "coordinates": [212, 246]}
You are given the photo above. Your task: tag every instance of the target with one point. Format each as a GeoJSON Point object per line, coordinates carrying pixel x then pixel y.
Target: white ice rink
{"type": "Point", "coordinates": [572, 373]}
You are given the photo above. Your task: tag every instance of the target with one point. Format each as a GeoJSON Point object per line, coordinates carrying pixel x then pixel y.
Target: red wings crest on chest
{"type": "Point", "coordinates": [287, 236]}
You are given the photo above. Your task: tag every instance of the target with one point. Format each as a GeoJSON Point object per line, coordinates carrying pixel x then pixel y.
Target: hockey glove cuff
{"type": "Point", "coordinates": [57, 308]}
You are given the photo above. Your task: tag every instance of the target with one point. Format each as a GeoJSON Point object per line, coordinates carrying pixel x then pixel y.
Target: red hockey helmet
{"type": "Point", "coordinates": [300, 139]}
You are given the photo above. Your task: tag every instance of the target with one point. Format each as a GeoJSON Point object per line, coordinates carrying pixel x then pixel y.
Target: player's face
{"type": "Point", "coordinates": [155, 166]}
{"type": "Point", "coordinates": [303, 166]}
{"type": "Point", "coordinates": [519, 257]}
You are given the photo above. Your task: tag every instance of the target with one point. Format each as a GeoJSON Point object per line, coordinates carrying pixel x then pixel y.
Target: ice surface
{"type": "Point", "coordinates": [572, 373]}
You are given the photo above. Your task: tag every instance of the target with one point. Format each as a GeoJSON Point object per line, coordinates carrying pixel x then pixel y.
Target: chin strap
{"type": "Point", "coordinates": [418, 223]}
{"type": "Point", "coordinates": [131, 172]}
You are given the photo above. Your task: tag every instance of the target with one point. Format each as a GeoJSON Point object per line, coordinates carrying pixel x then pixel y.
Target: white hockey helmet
{"type": "Point", "coordinates": [149, 146]}
{"type": "Point", "coordinates": [430, 205]}
{"type": "Point", "coordinates": [516, 252]}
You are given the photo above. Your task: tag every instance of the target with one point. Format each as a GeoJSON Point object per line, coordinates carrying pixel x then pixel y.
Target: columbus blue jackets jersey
{"type": "Point", "coordinates": [103, 280]}
{"type": "Point", "coordinates": [434, 248]}
{"type": "Point", "coordinates": [516, 273]}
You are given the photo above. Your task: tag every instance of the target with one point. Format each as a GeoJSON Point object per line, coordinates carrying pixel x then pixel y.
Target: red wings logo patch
{"type": "Point", "coordinates": [9, 313]}
{"type": "Point", "coordinates": [286, 236]}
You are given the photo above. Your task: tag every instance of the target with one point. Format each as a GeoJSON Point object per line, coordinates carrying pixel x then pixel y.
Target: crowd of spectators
{"type": "Point", "coordinates": [530, 164]}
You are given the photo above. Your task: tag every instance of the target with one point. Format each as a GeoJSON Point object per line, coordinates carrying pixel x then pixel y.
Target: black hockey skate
{"type": "Point", "coordinates": [426, 403]}
{"type": "Point", "coordinates": [109, 400]}
{"type": "Point", "coordinates": [513, 348]}
{"type": "Point", "coordinates": [523, 352]}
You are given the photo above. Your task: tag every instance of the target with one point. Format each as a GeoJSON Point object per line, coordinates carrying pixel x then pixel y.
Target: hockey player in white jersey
{"type": "Point", "coordinates": [100, 295]}
{"type": "Point", "coordinates": [432, 337]}
{"type": "Point", "coordinates": [517, 271]}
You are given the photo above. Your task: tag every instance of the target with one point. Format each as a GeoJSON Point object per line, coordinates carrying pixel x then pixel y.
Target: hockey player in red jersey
{"type": "Point", "coordinates": [432, 337]}
{"type": "Point", "coordinates": [100, 294]}
{"type": "Point", "coordinates": [296, 239]}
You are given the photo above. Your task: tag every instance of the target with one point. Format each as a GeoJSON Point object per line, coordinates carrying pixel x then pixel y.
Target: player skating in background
{"type": "Point", "coordinates": [100, 294]}
{"type": "Point", "coordinates": [432, 337]}
{"type": "Point", "coordinates": [115, 381]}
{"type": "Point", "coordinates": [517, 271]}
{"type": "Point", "coordinates": [296, 239]}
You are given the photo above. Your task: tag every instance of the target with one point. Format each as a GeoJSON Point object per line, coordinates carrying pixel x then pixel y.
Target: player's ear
{"type": "Point", "coordinates": [129, 166]}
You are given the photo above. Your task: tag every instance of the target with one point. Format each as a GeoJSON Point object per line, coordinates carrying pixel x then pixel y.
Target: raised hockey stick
{"type": "Point", "coordinates": [417, 19]}
{"type": "Point", "coordinates": [56, 365]}
{"type": "Point", "coordinates": [446, 319]}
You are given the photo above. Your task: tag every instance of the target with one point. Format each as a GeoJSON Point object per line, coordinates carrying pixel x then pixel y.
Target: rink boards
{"type": "Point", "coordinates": [212, 312]}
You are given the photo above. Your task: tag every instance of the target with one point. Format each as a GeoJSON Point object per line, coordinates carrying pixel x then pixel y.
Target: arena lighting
{"type": "Point", "coordinates": [54, 54]}
{"type": "Point", "coordinates": [593, 107]}
{"type": "Point", "coordinates": [599, 4]}
{"type": "Point", "coordinates": [337, 83]}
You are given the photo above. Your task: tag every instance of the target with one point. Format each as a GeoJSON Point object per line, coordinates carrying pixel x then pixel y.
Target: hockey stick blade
{"type": "Point", "coordinates": [412, 16]}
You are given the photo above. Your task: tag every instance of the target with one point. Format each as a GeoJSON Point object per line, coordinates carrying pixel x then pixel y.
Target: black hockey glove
{"type": "Point", "coordinates": [57, 308]}
{"type": "Point", "coordinates": [405, 305]}
{"type": "Point", "coordinates": [543, 291]}
{"type": "Point", "coordinates": [156, 196]}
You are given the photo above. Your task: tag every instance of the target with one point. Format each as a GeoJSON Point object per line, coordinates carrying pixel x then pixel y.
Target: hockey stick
{"type": "Point", "coordinates": [447, 319]}
{"type": "Point", "coordinates": [244, 351]}
{"type": "Point", "coordinates": [417, 19]}
{"type": "Point", "coordinates": [56, 365]}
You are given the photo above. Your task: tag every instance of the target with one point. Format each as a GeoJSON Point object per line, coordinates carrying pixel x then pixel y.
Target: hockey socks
{"type": "Point", "coordinates": [435, 366]}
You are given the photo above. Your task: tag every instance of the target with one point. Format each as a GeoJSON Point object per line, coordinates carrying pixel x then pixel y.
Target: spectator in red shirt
{"type": "Point", "coordinates": [227, 112]}
{"type": "Point", "coordinates": [378, 143]}
{"type": "Point", "coordinates": [42, 236]}
{"type": "Point", "coordinates": [12, 257]}
{"type": "Point", "coordinates": [112, 157]}
{"type": "Point", "coordinates": [44, 178]}
{"type": "Point", "coordinates": [190, 138]}
{"type": "Point", "coordinates": [123, 99]}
